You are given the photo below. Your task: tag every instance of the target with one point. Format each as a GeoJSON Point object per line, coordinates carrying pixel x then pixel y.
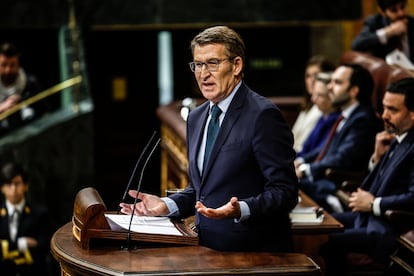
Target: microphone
{"type": "Point", "coordinates": [136, 166]}
{"type": "Point", "coordinates": [128, 246]}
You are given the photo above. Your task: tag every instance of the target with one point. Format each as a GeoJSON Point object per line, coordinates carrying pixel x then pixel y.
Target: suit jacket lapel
{"type": "Point", "coordinates": [194, 145]}
{"type": "Point", "coordinates": [399, 155]}
{"type": "Point", "coordinates": [230, 119]}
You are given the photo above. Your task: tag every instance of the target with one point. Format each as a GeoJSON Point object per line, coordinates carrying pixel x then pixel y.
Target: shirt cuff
{"type": "Point", "coordinates": [371, 164]}
{"type": "Point", "coordinates": [244, 212]}
{"type": "Point", "coordinates": [300, 160]}
{"type": "Point", "coordinates": [172, 206]}
{"type": "Point", "coordinates": [306, 169]}
{"type": "Point", "coordinates": [22, 244]}
{"type": "Point", "coordinates": [376, 210]}
{"type": "Point", "coordinates": [382, 36]}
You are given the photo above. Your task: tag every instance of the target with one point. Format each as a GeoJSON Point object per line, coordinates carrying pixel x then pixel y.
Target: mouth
{"type": "Point", "coordinates": [207, 85]}
{"type": "Point", "coordinates": [390, 128]}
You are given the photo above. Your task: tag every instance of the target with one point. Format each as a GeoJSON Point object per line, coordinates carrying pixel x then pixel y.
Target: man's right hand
{"type": "Point", "coordinates": [9, 102]}
{"type": "Point", "coordinates": [382, 144]}
{"type": "Point", "coordinates": [150, 205]}
{"type": "Point", "coordinates": [396, 28]}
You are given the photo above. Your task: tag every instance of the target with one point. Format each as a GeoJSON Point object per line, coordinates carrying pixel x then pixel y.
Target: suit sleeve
{"type": "Point", "coordinates": [272, 147]}
{"type": "Point", "coordinates": [367, 40]}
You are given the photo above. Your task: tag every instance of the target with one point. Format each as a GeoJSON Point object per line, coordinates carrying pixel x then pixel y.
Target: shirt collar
{"type": "Point", "coordinates": [19, 206]}
{"type": "Point", "coordinates": [401, 137]}
{"type": "Point", "coordinates": [347, 112]}
{"type": "Point", "coordinates": [224, 104]}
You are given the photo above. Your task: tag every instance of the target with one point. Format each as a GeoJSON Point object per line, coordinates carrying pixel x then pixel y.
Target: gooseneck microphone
{"type": "Point", "coordinates": [144, 151]}
{"type": "Point", "coordinates": [128, 246]}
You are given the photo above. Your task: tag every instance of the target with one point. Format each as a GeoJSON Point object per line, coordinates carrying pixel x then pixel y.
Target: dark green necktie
{"type": "Point", "coordinates": [213, 128]}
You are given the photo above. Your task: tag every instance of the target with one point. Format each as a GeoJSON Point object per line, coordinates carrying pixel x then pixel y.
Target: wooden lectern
{"type": "Point", "coordinates": [89, 223]}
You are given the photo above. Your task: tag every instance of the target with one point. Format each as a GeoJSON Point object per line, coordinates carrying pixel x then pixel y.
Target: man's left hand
{"type": "Point", "coordinates": [229, 210]}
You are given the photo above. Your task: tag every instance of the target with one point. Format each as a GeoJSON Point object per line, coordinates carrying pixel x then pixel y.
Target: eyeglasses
{"type": "Point", "coordinates": [212, 65]}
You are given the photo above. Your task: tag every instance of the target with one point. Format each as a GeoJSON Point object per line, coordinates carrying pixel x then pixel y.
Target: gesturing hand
{"type": "Point", "coordinates": [230, 210]}
{"type": "Point", "coordinates": [150, 205]}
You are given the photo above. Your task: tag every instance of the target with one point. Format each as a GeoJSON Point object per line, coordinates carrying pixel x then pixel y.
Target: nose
{"type": "Point", "coordinates": [329, 86]}
{"type": "Point", "coordinates": [204, 70]}
{"type": "Point", "coordinates": [385, 115]}
{"type": "Point", "coordinates": [401, 12]}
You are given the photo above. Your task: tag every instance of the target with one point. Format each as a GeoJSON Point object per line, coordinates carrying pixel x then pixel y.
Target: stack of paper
{"type": "Point", "coordinates": [311, 214]}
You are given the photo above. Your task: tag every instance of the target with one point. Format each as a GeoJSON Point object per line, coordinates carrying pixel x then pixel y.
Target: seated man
{"type": "Point", "coordinates": [391, 29]}
{"type": "Point", "coordinates": [17, 86]}
{"type": "Point", "coordinates": [350, 146]}
{"type": "Point", "coordinates": [390, 185]}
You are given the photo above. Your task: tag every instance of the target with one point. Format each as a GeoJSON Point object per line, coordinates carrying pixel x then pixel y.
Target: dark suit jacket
{"type": "Point", "coordinates": [33, 223]}
{"type": "Point", "coordinates": [40, 108]}
{"type": "Point", "coordinates": [394, 183]}
{"type": "Point", "coordinates": [352, 146]}
{"type": "Point", "coordinates": [252, 159]}
{"type": "Point", "coordinates": [367, 40]}
{"type": "Point", "coordinates": [396, 188]}
{"type": "Point", "coordinates": [319, 135]}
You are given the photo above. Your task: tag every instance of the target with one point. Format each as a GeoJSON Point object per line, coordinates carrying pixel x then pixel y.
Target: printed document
{"type": "Point", "coordinates": [143, 224]}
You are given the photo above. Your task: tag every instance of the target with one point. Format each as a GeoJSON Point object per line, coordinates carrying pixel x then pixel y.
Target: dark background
{"type": "Point", "coordinates": [54, 13]}
{"type": "Point", "coordinates": [120, 40]}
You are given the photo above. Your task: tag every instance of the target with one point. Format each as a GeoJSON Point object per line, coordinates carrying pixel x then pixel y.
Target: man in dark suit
{"type": "Point", "coordinates": [16, 86]}
{"type": "Point", "coordinates": [24, 227]}
{"type": "Point", "coordinates": [243, 193]}
{"type": "Point", "coordinates": [391, 29]}
{"type": "Point", "coordinates": [353, 139]}
{"type": "Point", "coordinates": [390, 185]}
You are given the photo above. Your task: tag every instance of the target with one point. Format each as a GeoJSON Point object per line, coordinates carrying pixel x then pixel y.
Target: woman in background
{"type": "Point", "coordinates": [310, 114]}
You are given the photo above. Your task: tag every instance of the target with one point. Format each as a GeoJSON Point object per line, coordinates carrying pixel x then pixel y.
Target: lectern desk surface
{"type": "Point", "coordinates": [171, 260]}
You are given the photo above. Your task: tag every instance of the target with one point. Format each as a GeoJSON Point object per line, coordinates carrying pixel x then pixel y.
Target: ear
{"type": "Point", "coordinates": [237, 65]}
{"type": "Point", "coordinates": [354, 91]}
{"type": "Point", "coordinates": [412, 116]}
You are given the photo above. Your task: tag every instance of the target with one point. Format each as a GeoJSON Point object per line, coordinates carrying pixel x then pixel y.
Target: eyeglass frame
{"type": "Point", "coordinates": [192, 64]}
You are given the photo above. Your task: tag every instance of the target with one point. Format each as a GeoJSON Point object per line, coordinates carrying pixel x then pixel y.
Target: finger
{"type": "Point", "coordinates": [124, 205]}
{"type": "Point", "coordinates": [199, 205]}
{"type": "Point", "coordinates": [125, 210]}
{"type": "Point", "coordinates": [234, 201]}
{"type": "Point", "coordinates": [132, 193]}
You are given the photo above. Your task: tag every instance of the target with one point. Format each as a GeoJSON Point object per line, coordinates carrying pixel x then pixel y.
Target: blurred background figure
{"type": "Point", "coordinates": [353, 136]}
{"type": "Point", "coordinates": [16, 86]}
{"type": "Point", "coordinates": [392, 28]}
{"type": "Point", "coordinates": [309, 114]}
{"type": "Point", "coordinates": [320, 98]}
{"type": "Point", "coordinates": [24, 227]}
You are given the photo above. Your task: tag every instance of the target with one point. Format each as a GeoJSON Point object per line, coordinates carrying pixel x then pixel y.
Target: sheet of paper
{"type": "Point", "coordinates": [398, 58]}
{"type": "Point", "coordinates": [141, 224]}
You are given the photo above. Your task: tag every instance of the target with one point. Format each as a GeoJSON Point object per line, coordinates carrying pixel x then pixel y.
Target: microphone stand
{"type": "Point", "coordinates": [135, 168]}
{"type": "Point", "coordinates": [128, 245]}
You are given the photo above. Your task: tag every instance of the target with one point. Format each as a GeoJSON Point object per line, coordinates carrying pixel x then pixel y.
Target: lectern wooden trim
{"type": "Point", "coordinates": [172, 260]}
{"type": "Point", "coordinates": [89, 223]}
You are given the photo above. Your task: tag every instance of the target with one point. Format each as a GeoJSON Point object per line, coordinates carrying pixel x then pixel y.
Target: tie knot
{"type": "Point", "coordinates": [15, 214]}
{"type": "Point", "coordinates": [215, 112]}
